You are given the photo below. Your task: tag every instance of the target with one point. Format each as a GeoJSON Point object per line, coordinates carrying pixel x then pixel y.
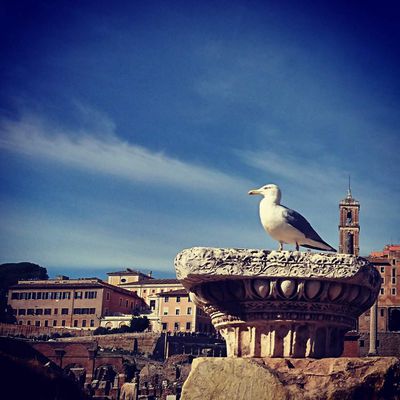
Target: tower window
{"type": "Point", "coordinates": [349, 217]}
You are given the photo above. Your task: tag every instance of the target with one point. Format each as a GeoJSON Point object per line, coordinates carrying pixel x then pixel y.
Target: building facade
{"type": "Point", "coordinates": [169, 305]}
{"type": "Point", "coordinates": [387, 263]}
{"type": "Point", "coordinates": [179, 314]}
{"type": "Point", "coordinates": [72, 303]}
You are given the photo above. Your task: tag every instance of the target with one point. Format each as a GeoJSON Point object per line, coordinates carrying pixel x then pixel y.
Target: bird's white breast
{"type": "Point", "coordinates": [273, 220]}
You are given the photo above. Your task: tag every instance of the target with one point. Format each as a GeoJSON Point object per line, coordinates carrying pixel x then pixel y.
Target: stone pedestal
{"type": "Point", "coordinates": [279, 303]}
{"type": "Point", "coordinates": [295, 379]}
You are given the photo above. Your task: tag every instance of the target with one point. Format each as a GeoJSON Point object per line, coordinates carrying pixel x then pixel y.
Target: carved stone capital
{"type": "Point", "coordinates": [279, 303]}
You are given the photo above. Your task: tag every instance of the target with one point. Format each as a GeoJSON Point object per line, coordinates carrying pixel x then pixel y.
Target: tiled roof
{"type": "Point", "coordinates": [71, 284]}
{"type": "Point", "coordinates": [378, 260]}
{"type": "Point", "coordinates": [173, 293]}
{"type": "Point", "coordinates": [152, 282]}
{"type": "Point", "coordinates": [127, 271]}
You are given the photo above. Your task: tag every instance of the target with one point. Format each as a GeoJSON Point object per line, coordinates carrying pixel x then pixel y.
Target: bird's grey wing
{"type": "Point", "coordinates": [299, 222]}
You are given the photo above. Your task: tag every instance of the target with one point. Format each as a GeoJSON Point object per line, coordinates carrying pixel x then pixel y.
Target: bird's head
{"type": "Point", "coordinates": [270, 191]}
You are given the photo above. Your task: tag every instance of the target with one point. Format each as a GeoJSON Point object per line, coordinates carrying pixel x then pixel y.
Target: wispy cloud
{"type": "Point", "coordinates": [108, 154]}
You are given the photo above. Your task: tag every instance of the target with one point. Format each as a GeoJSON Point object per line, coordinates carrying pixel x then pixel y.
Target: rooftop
{"type": "Point", "coordinates": [173, 293]}
{"type": "Point", "coordinates": [129, 271]}
{"type": "Point", "coordinates": [152, 282]}
{"type": "Point", "coordinates": [69, 284]}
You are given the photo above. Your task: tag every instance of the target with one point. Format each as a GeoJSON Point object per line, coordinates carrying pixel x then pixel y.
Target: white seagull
{"type": "Point", "coordinates": [286, 225]}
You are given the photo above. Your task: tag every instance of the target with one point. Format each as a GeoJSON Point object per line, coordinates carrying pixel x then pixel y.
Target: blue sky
{"type": "Point", "coordinates": [132, 130]}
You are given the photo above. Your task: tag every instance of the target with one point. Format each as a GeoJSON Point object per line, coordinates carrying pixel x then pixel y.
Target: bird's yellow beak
{"type": "Point", "coordinates": [254, 191]}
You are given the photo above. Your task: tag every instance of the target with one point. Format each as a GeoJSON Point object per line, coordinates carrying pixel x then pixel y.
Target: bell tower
{"type": "Point", "coordinates": [349, 224]}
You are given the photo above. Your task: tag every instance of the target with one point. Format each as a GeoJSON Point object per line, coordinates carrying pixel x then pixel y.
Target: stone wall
{"type": "Point", "coordinates": [388, 344]}
{"type": "Point", "coordinates": [144, 343]}
{"type": "Point", "coordinates": [31, 331]}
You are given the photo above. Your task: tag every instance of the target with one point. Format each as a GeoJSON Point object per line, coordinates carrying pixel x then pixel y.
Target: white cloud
{"type": "Point", "coordinates": [108, 154]}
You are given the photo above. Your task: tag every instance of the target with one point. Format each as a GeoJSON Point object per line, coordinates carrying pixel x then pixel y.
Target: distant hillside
{"type": "Point", "coordinates": [10, 274]}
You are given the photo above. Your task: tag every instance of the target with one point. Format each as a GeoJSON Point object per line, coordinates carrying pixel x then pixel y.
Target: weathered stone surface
{"type": "Point", "coordinates": [214, 263]}
{"type": "Point", "coordinates": [279, 303]}
{"type": "Point", "coordinates": [232, 379]}
{"type": "Point", "coordinates": [298, 379]}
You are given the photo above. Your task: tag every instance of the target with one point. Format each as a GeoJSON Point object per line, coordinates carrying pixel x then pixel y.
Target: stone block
{"type": "Point", "coordinates": [295, 379]}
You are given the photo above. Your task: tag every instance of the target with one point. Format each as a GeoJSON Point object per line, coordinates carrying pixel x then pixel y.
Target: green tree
{"type": "Point", "coordinates": [10, 274]}
{"type": "Point", "coordinates": [139, 324]}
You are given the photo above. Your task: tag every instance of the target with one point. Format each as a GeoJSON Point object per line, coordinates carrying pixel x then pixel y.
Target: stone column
{"type": "Point", "coordinates": [373, 329]}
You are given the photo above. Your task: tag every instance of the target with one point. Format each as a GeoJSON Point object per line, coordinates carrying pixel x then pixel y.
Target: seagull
{"type": "Point", "coordinates": [286, 225]}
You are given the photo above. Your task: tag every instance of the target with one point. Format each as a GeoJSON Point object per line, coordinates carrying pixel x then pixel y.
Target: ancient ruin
{"type": "Point", "coordinates": [279, 303]}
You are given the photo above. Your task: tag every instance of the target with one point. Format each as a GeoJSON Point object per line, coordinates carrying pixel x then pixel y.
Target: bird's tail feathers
{"type": "Point", "coordinates": [324, 246]}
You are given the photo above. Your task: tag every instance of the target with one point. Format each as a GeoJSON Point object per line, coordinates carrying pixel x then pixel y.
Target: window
{"type": "Point", "coordinates": [37, 323]}
{"type": "Point", "coordinates": [63, 322]}
{"type": "Point", "coordinates": [166, 299]}
{"type": "Point", "coordinates": [107, 295]}
{"type": "Point", "coordinates": [34, 296]}
{"type": "Point", "coordinates": [164, 326]}
{"type": "Point", "coordinates": [123, 280]}
{"type": "Point", "coordinates": [54, 323]}
{"type": "Point", "coordinates": [45, 296]}
{"type": "Point", "coordinates": [382, 312]}
{"type": "Point", "coordinates": [393, 280]}
{"type": "Point", "coordinates": [393, 291]}
{"type": "Point", "coordinates": [153, 290]}
{"type": "Point", "coordinates": [28, 322]}
{"type": "Point", "coordinates": [14, 296]}
{"type": "Point", "coordinates": [75, 323]}
{"type": "Point", "coordinates": [189, 310]}
{"type": "Point", "coordinates": [188, 326]}
{"type": "Point", "coordinates": [152, 304]}
{"type": "Point", "coordinates": [21, 311]}
{"type": "Point", "coordinates": [64, 311]}
{"type": "Point", "coordinates": [383, 280]}
{"type": "Point", "coordinates": [393, 271]}
{"type": "Point", "coordinates": [382, 290]}
{"type": "Point", "coordinates": [66, 295]}
{"type": "Point", "coordinates": [90, 295]}
{"type": "Point", "coordinates": [178, 299]}
{"type": "Point", "coordinates": [55, 311]}
{"type": "Point", "coordinates": [46, 323]}
{"type": "Point", "coordinates": [144, 290]}
{"type": "Point", "coordinates": [80, 311]}
{"type": "Point", "coordinates": [78, 295]}
{"type": "Point", "coordinates": [30, 311]}
{"type": "Point", "coordinates": [176, 326]}
{"type": "Point", "coordinates": [84, 323]}
{"type": "Point", "coordinates": [47, 311]}
{"type": "Point", "coordinates": [382, 270]}
{"type": "Point", "coordinates": [177, 311]}
{"type": "Point", "coordinates": [165, 311]}
{"type": "Point", "coordinates": [39, 295]}
{"type": "Point", "coordinates": [92, 323]}
{"type": "Point", "coordinates": [39, 311]}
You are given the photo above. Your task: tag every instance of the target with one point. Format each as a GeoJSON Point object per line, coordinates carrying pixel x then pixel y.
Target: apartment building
{"type": "Point", "coordinates": [170, 308]}
{"type": "Point", "coordinates": [387, 262]}
{"type": "Point", "coordinates": [178, 313]}
{"type": "Point", "coordinates": [72, 303]}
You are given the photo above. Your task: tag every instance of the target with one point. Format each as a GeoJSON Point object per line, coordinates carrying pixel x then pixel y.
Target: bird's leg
{"type": "Point", "coordinates": [280, 246]}
{"type": "Point", "coordinates": [297, 246]}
